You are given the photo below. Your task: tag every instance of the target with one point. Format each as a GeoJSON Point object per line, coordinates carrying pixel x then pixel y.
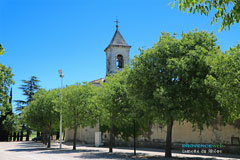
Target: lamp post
{"type": "Point", "coordinates": [61, 76]}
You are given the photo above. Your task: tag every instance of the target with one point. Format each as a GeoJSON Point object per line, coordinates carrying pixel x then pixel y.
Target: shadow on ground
{"type": "Point", "coordinates": [92, 153]}
{"type": "Point", "coordinates": [26, 149]}
{"type": "Point", "coordinates": [130, 156]}
{"type": "Point", "coordinates": [58, 151]}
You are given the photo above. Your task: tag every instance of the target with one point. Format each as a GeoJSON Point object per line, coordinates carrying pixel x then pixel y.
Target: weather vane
{"type": "Point", "coordinates": [117, 22]}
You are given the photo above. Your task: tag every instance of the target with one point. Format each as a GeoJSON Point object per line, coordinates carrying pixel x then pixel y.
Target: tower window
{"type": "Point", "coordinates": [119, 61]}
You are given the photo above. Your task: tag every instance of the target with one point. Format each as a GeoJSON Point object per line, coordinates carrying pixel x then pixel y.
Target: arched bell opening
{"type": "Point", "coordinates": [119, 61]}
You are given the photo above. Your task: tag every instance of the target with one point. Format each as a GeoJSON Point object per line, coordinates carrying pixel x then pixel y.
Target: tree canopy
{"type": "Point", "coordinates": [225, 79]}
{"type": "Point", "coordinates": [225, 10]}
{"type": "Point", "coordinates": [5, 82]}
{"type": "Point", "coordinates": [78, 107]}
{"type": "Point", "coordinates": [169, 79]}
{"type": "Point", "coordinates": [6, 117]}
{"type": "Point", "coordinates": [119, 111]}
{"type": "Point", "coordinates": [29, 87]}
{"type": "Point", "coordinates": [40, 114]}
{"type": "Point", "coordinates": [1, 50]}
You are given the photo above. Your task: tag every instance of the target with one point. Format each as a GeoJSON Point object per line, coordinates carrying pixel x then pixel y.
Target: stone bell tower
{"type": "Point", "coordinates": [117, 53]}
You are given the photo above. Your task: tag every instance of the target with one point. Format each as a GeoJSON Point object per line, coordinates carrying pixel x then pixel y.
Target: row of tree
{"type": "Point", "coordinates": [11, 125]}
{"type": "Point", "coordinates": [6, 115]}
{"type": "Point", "coordinates": [178, 79]}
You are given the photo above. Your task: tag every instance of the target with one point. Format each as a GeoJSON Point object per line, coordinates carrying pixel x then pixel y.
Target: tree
{"type": "Point", "coordinates": [10, 125]}
{"type": "Point", "coordinates": [119, 115]}
{"type": "Point", "coordinates": [1, 50]}
{"type": "Point", "coordinates": [225, 80]}
{"type": "Point", "coordinates": [227, 10]}
{"type": "Point", "coordinates": [41, 114]}
{"type": "Point", "coordinates": [5, 108]}
{"type": "Point", "coordinates": [77, 107]}
{"type": "Point", "coordinates": [29, 87]}
{"type": "Point", "coordinates": [169, 78]}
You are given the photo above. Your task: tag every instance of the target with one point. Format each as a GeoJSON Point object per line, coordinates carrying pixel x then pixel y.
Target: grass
{"type": "Point", "coordinates": [32, 135]}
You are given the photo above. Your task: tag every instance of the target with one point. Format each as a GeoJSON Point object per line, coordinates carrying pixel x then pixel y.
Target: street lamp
{"type": "Point", "coordinates": [61, 76]}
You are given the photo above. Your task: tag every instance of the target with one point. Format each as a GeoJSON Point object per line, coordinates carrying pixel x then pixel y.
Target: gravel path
{"type": "Point", "coordinates": [37, 151]}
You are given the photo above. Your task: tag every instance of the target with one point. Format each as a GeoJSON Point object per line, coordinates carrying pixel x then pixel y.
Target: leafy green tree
{"type": "Point", "coordinates": [7, 121]}
{"type": "Point", "coordinates": [1, 50]}
{"type": "Point", "coordinates": [5, 108]}
{"type": "Point", "coordinates": [114, 103]}
{"type": "Point", "coordinates": [226, 10]}
{"type": "Point", "coordinates": [29, 87]}
{"type": "Point", "coordinates": [10, 120]}
{"type": "Point", "coordinates": [118, 110]}
{"type": "Point", "coordinates": [41, 114]}
{"type": "Point", "coordinates": [10, 125]}
{"type": "Point", "coordinates": [15, 126]}
{"type": "Point", "coordinates": [169, 78]}
{"type": "Point", "coordinates": [78, 108]}
{"type": "Point", "coordinates": [225, 79]}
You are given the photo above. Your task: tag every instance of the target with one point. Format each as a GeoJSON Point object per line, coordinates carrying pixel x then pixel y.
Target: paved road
{"type": "Point", "coordinates": [37, 151]}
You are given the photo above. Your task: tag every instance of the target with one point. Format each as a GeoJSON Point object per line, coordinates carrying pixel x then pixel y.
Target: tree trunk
{"type": "Point", "coordinates": [45, 140]}
{"type": "Point", "coordinates": [111, 141]}
{"type": "Point", "coordinates": [75, 137]}
{"type": "Point", "coordinates": [21, 137]}
{"type": "Point", "coordinates": [168, 152]}
{"type": "Point", "coordinates": [49, 141]}
{"type": "Point", "coordinates": [134, 137]}
{"type": "Point", "coordinates": [38, 133]}
{"type": "Point", "coordinates": [10, 137]}
{"type": "Point", "coordinates": [14, 136]}
{"type": "Point", "coordinates": [49, 135]}
{"type": "Point", "coordinates": [57, 135]}
{"type": "Point", "coordinates": [28, 134]}
{"type": "Point", "coordinates": [18, 136]}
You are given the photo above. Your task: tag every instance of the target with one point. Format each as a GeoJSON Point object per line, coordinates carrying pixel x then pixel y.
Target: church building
{"type": "Point", "coordinates": [117, 57]}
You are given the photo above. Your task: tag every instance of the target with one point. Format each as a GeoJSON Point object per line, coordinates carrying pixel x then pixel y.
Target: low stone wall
{"type": "Point", "coordinates": [233, 149]}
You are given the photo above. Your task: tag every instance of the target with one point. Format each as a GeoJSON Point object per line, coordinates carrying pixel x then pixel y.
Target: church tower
{"type": "Point", "coordinates": [117, 53]}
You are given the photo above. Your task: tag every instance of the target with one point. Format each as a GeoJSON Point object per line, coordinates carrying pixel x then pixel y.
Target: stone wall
{"type": "Point", "coordinates": [182, 133]}
{"type": "Point", "coordinates": [85, 135]}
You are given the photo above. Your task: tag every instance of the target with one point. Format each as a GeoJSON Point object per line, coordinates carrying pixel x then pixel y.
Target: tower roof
{"type": "Point", "coordinates": [117, 40]}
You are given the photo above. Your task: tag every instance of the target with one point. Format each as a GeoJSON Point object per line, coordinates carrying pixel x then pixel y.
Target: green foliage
{"type": "Point", "coordinates": [5, 82]}
{"type": "Point", "coordinates": [10, 124]}
{"type": "Point", "coordinates": [118, 108]}
{"type": "Point", "coordinates": [225, 79]}
{"type": "Point", "coordinates": [227, 10]}
{"type": "Point", "coordinates": [5, 107]}
{"type": "Point", "coordinates": [169, 79]}
{"type": "Point", "coordinates": [29, 87]}
{"type": "Point", "coordinates": [78, 108]}
{"type": "Point", "coordinates": [1, 50]}
{"type": "Point", "coordinates": [40, 114]}
{"type": "Point", "coordinates": [112, 98]}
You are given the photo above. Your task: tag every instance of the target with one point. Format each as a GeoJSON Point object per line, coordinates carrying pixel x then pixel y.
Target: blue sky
{"type": "Point", "coordinates": [42, 36]}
